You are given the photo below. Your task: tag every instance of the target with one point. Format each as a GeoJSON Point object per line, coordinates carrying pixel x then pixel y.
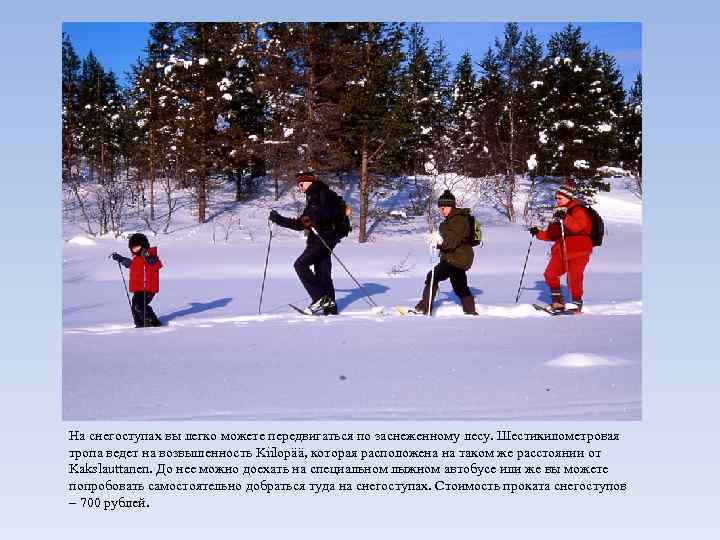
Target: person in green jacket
{"type": "Point", "coordinates": [456, 255]}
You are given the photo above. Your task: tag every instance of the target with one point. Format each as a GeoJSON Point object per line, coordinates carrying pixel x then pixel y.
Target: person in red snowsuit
{"type": "Point", "coordinates": [144, 283]}
{"type": "Point", "coordinates": [572, 255]}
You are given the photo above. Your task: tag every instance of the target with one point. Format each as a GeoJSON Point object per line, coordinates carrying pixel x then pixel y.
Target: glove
{"type": "Point", "coordinates": [534, 231]}
{"type": "Point", "coordinates": [116, 257]}
{"type": "Point", "coordinates": [434, 238]}
{"type": "Point", "coordinates": [560, 213]}
{"type": "Point", "coordinates": [306, 221]}
{"type": "Point", "coordinates": [273, 216]}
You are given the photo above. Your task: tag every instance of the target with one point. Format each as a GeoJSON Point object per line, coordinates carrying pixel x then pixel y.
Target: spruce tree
{"type": "Point", "coordinates": [70, 108]}
{"type": "Point", "coordinates": [631, 133]}
{"type": "Point", "coordinates": [463, 112]}
{"type": "Point", "coordinates": [507, 112]}
{"type": "Point", "coordinates": [416, 108]}
{"type": "Point", "coordinates": [580, 102]}
{"type": "Point", "coordinates": [196, 71]}
{"type": "Point", "coordinates": [369, 103]}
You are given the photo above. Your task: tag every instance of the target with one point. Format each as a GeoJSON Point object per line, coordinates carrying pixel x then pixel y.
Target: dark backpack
{"type": "Point", "coordinates": [598, 226]}
{"type": "Point", "coordinates": [341, 220]}
{"type": "Point", "coordinates": [475, 238]}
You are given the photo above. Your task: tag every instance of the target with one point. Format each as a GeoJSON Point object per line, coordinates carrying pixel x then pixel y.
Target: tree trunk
{"type": "Point", "coordinates": [238, 185]}
{"type": "Point", "coordinates": [364, 194]}
{"type": "Point", "coordinates": [152, 176]}
{"type": "Point", "coordinates": [510, 197]}
{"type": "Point", "coordinates": [102, 164]}
{"type": "Point", "coordinates": [309, 152]}
{"type": "Point", "coordinates": [202, 197]}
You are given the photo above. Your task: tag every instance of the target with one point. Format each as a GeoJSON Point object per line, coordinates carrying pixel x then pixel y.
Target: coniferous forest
{"type": "Point", "coordinates": [251, 104]}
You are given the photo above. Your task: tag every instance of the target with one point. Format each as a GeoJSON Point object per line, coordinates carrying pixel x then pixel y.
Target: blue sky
{"type": "Point", "coordinates": [118, 44]}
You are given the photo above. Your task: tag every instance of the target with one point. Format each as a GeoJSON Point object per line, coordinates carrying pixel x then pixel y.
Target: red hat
{"type": "Point", "coordinates": [567, 190]}
{"type": "Point", "coordinates": [305, 177]}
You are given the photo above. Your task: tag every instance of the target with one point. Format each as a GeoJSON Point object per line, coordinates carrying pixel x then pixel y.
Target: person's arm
{"type": "Point", "coordinates": [288, 223]}
{"type": "Point", "coordinates": [122, 260]}
{"type": "Point", "coordinates": [550, 234]}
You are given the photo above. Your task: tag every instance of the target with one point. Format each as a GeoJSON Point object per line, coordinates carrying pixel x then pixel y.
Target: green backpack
{"type": "Point", "coordinates": [475, 238]}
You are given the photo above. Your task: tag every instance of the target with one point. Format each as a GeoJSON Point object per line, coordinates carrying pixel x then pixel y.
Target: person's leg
{"type": "Point", "coordinates": [312, 254]}
{"type": "Point", "coordinates": [442, 272]}
{"type": "Point", "coordinates": [576, 271]}
{"type": "Point", "coordinates": [458, 280]}
{"type": "Point", "coordinates": [150, 316]}
{"type": "Point", "coordinates": [553, 271]}
{"type": "Point", "coordinates": [138, 303]}
{"type": "Point", "coordinates": [323, 270]}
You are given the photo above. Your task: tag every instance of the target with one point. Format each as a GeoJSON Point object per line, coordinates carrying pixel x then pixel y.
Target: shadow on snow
{"type": "Point", "coordinates": [194, 308]}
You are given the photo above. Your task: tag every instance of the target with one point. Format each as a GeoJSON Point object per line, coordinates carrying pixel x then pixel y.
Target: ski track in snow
{"type": "Point", "coordinates": [379, 314]}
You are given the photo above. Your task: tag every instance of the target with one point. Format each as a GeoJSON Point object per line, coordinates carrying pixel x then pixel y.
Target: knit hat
{"type": "Point", "coordinates": [446, 199]}
{"type": "Point", "coordinates": [567, 190]}
{"type": "Point", "coordinates": [305, 177]}
{"type": "Point", "coordinates": [138, 239]}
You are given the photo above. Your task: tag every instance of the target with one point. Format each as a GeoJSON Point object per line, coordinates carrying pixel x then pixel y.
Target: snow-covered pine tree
{"type": "Point", "coordinates": [97, 88]}
{"type": "Point", "coordinates": [439, 157]}
{"type": "Point", "coordinates": [441, 99]}
{"type": "Point", "coordinates": [529, 106]}
{"type": "Point", "coordinates": [415, 109]}
{"type": "Point", "coordinates": [631, 133]}
{"type": "Point", "coordinates": [579, 96]}
{"type": "Point", "coordinates": [505, 113]}
{"type": "Point", "coordinates": [608, 102]}
{"type": "Point", "coordinates": [240, 123]}
{"type": "Point", "coordinates": [416, 145]}
{"type": "Point", "coordinates": [308, 70]}
{"type": "Point", "coordinates": [279, 88]}
{"type": "Point", "coordinates": [370, 100]}
{"type": "Point", "coordinates": [154, 106]}
{"type": "Point", "coordinates": [462, 117]}
{"type": "Point", "coordinates": [196, 71]}
{"type": "Point", "coordinates": [70, 108]}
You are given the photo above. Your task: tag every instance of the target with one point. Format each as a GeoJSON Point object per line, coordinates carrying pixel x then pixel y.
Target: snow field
{"type": "Point", "coordinates": [216, 358]}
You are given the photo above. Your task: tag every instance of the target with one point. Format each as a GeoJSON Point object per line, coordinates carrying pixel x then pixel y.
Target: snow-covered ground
{"type": "Point", "coordinates": [216, 358]}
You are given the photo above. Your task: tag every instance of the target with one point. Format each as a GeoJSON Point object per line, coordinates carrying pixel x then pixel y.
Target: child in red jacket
{"type": "Point", "coordinates": [144, 278]}
{"type": "Point", "coordinates": [572, 255]}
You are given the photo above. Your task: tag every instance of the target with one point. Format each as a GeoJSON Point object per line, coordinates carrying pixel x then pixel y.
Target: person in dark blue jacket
{"type": "Point", "coordinates": [320, 210]}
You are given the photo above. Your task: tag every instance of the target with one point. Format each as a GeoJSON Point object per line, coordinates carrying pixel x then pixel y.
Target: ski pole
{"type": "Point", "coordinates": [565, 257]}
{"type": "Point", "coordinates": [125, 288]}
{"type": "Point", "coordinates": [267, 258]}
{"type": "Point", "coordinates": [522, 276]}
{"type": "Point", "coordinates": [432, 282]}
{"type": "Point", "coordinates": [367, 296]}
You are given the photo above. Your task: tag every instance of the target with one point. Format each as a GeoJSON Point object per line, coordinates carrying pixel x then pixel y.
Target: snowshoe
{"type": "Point", "coordinates": [403, 310]}
{"type": "Point", "coordinates": [549, 310]}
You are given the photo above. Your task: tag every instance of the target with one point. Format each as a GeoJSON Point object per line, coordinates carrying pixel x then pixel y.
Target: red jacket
{"type": "Point", "coordinates": [578, 227]}
{"type": "Point", "coordinates": [145, 272]}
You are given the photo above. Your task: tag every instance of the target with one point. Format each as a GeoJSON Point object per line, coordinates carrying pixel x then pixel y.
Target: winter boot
{"type": "Point", "coordinates": [468, 305]}
{"type": "Point", "coordinates": [558, 302]}
{"type": "Point", "coordinates": [138, 319]}
{"type": "Point", "coordinates": [319, 305]}
{"type": "Point", "coordinates": [151, 318]}
{"type": "Point", "coordinates": [330, 308]}
{"type": "Point", "coordinates": [575, 306]}
{"type": "Point", "coordinates": [422, 305]}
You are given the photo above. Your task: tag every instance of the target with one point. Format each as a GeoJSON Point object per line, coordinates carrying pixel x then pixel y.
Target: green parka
{"type": "Point", "coordinates": [455, 231]}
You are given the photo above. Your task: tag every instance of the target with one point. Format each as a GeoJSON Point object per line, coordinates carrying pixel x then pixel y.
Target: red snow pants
{"type": "Point", "coordinates": [576, 272]}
